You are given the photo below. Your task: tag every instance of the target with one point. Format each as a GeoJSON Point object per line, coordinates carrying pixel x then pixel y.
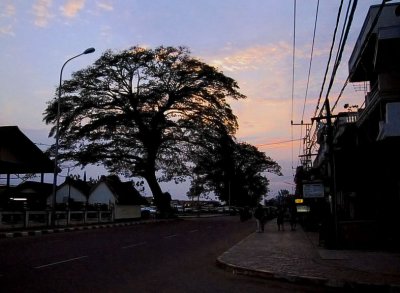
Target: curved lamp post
{"type": "Point", "coordinates": [87, 51]}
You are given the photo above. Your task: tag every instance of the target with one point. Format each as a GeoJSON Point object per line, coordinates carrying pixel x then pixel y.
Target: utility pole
{"type": "Point", "coordinates": [331, 170]}
{"type": "Point", "coordinates": [306, 158]}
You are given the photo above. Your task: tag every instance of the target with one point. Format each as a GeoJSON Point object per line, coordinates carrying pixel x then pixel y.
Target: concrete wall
{"type": "Point", "coordinates": [127, 212]}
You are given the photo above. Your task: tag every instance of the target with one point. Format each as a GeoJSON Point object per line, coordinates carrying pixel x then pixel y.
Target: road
{"type": "Point", "coordinates": [174, 256]}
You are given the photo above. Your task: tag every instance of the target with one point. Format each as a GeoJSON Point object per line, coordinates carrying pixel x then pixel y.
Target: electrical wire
{"type": "Point", "coordinates": [341, 49]}
{"type": "Point", "coordinates": [343, 30]}
{"type": "Point", "coordinates": [313, 138]}
{"type": "Point", "coordinates": [342, 43]}
{"type": "Point", "coordinates": [293, 74]}
{"type": "Point", "coordinates": [309, 71]}
{"type": "Point", "coordinates": [369, 34]}
{"type": "Point", "coordinates": [341, 93]}
{"type": "Point", "coordinates": [330, 56]}
{"type": "Point", "coordinates": [373, 25]}
{"type": "Point", "coordinates": [278, 142]}
{"type": "Point", "coordinates": [311, 59]}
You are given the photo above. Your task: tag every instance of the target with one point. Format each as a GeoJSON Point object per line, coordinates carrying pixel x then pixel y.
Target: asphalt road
{"type": "Point", "coordinates": [162, 257]}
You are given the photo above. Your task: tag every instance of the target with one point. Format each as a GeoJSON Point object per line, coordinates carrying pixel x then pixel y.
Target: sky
{"type": "Point", "coordinates": [250, 41]}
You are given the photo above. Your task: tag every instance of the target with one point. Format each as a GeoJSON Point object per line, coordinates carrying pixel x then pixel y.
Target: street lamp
{"type": "Point", "coordinates": [87, 51]}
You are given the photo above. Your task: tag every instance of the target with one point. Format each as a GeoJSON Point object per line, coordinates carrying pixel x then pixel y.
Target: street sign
{"type": "Point", "coordinates": [313, 190]}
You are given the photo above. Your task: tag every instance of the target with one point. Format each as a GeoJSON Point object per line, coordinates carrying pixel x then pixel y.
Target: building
{"type": "Point", "coordinates": [122, 197]}
{"type": "Point", "coordinates": [358, 158]}
{"type": "Point", "coordinates": [73, 193]}
{"type": "Point", "coordinates": [19, 155]}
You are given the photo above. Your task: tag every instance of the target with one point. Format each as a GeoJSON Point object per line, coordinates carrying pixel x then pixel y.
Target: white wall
{"type": "Point", "coordinates": [101, 194]}
{"type": "Point", "coordinates": [75, 194]}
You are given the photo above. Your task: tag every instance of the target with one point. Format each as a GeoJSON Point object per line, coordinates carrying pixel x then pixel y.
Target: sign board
{"type": "Point", "coordinates": [313, 190]}
{"type": "Point", "coordinates": [303, 209]}
{"type": "Point", "coordinates": [298, 200]}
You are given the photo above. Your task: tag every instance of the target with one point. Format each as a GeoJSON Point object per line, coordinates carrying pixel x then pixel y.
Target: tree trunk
{"type": "Point", "coordinates": [161, 200]}
{"type": "Point", "coordinates": [154, 185]}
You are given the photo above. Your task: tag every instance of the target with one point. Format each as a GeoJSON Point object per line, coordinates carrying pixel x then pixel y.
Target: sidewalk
{"type": "Point", "coordinates": [294, 256]}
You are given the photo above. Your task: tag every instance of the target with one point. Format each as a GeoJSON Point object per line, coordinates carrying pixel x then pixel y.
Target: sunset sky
{"type": "Point", "coordinates": [250, 41]}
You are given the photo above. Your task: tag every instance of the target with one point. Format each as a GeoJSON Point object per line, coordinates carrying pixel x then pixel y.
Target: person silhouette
{"type": "Point", "coordinates": [280, 218]}
{"type": "Point", "coordinates": [259, 214]}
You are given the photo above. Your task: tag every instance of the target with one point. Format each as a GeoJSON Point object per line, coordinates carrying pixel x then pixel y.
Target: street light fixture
{"type": "Point", "coordinates": [87, 51]}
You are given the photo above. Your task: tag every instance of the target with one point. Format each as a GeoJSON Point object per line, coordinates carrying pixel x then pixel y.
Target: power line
{"type": "Point", "coordinates": [343, 30]}
{"type": "Point", "coordinates": [309, 71]}
{"type": "Point", "coordinates": [375, 21]}
{"type": "Point", "coordinates": [340, 94]}
{"type": "Point", "coordinates": [341, 49]}
{"type": "Point", "coordinates": [278, 142]}
{"type": "Point", "coordinates": [311, 59]}
{"type": "Point", "coordinates": [330, 56]}
{"type": "Point", "coordinates": [342, 43]}
{"type": "Point", "coordinates": [293, 54]}
{"type": "Point", "coordinates": [311, 140]}
{"type": "Point", "coordinates": [293, 71]}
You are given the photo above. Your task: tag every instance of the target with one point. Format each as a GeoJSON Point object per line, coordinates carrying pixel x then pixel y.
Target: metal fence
{"type": "Point", "coordinates": [31, 219]}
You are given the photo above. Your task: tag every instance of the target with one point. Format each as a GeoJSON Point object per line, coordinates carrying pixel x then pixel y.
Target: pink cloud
{"type": "Point", "coordinates": [72, 7]}
{"type": "Point", "coordinates": [41, 10]}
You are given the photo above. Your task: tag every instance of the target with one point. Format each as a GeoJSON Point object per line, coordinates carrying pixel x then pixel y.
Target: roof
{"type": "Point", "coordinates": [19, 155]}
{"type": "Point", "coordinates": [125, 192]}
{"type": "Point", "coordinates": [30, 189]}
{"type": "Point", "coordinates": [38, 187]}
{"type": "Point", "coordinates": [79, 184]}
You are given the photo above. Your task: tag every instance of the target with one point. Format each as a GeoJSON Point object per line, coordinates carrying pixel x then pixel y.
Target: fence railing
{"type": "Point", "coordinates": [31, 219]}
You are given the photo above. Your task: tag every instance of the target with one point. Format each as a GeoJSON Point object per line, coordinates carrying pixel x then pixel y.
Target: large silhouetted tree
{"type": "Point", "coordinates": [141, 111]}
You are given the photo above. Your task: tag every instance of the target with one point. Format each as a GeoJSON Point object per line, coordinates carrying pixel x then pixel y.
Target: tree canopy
{"type": "Point", "coordinates": [234, 172]}
{"type": "Point", "coordinates": [141, 110]}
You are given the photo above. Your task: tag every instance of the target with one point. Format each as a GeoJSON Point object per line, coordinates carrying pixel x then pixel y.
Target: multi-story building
{"type": "Point", "coordinates": [360, 163]}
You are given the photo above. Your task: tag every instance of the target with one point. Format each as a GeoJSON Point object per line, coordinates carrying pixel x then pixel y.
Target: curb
{"type": "Point", "coordinates": [306, 280]}
{"type": "Point", "coordinates": [16, 234]}
{"type": "Point", "coordinates": [270, 275]}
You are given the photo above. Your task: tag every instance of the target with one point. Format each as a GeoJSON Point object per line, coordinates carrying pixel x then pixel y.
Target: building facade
{"type": "Point", "coordinates": [358, 159]}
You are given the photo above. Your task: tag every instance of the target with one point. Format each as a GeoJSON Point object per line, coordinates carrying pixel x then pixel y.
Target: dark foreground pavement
{"type": "Point", "coordinates": [295, 256]}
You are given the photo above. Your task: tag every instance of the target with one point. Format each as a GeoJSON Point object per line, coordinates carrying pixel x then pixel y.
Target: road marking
{"type": "Point", "coordinates": [60, 262]}
{"type": "Point", "coordinates": [170, 236]}
{"type": "Point", "coordinates": [134, 245]}
{"type": "Point", "coordinates": [192, 231]}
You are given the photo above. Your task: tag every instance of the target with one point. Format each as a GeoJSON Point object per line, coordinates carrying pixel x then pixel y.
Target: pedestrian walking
{"type": "Point", "coordinates": [280, 218]}
{"type": "Point", "coordinates": [293, 217]}
{"type": "Point", "coordinates": [259, 215]}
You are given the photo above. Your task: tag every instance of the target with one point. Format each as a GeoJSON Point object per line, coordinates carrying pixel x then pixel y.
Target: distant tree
{"type": "Point", "coordinates": [235, 172]}
{"type": "Point", "coordinates": [283, 197]}
{"type": "Point", "coordinates": [140, 111]}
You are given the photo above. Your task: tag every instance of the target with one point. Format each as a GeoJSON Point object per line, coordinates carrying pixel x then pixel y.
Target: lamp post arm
{"type": "Point", "coordinates": [59, 106]}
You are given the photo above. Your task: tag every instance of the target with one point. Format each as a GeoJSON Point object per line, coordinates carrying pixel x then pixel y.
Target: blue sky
{"type": "Point", "coordinates": [250, 41]}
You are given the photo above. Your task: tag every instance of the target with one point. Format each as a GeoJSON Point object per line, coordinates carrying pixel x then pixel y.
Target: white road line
{"type": "Point", "coordinates": [60, 262]}
{"type": "Point", "coordinates": [134, 245]}
{"type": "Point", "coordinates": [170, 236]}
{"type": "Point", "coordinates": [192, 231]}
